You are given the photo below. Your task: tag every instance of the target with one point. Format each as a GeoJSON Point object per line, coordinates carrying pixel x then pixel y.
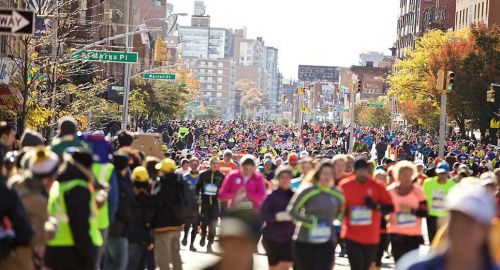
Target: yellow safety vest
{"type": "Point", "coordinates": [102, 172]}
{"type": "Point", "coordinates": [57, 209]}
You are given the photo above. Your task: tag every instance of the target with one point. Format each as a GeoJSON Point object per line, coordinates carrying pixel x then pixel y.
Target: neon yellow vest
{"type": "Point", "coordinates": [102, 172]}
{"type": "Point", "coordinates": [57, 209]}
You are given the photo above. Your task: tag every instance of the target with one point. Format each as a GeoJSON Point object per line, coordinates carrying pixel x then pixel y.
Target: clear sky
{"type": "Point", "coordinates": [310, 32]}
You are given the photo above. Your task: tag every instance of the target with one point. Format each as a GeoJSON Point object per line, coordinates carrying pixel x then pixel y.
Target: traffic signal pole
{"type": "Point", "coordinates": [442, 124]}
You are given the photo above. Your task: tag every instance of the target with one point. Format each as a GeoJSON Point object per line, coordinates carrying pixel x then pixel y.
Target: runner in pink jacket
{"type": "Point", "coordinates": [244, 188]}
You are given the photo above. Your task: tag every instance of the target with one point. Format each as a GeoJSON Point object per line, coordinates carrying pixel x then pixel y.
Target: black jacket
{"type": "Point", "coordinates": [140, 229]}
{"type": "Point", "coordinates": [165, 197]}
{"type": "Point", "coordinates": [78, 210]}
{"type": "Point", "coordinates": [211, 178]}
{"type": "Point", "coordinates": [121, 223]}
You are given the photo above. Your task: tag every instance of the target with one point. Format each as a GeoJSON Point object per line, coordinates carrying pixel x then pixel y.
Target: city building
{"type": "Point", "coordinates": [418, 16]}
{"type": "Point", "coordinates": [217, 84]}
{"type": "Point", "coordinates": [477, 11]}
{"type": "Point", "coordinates": [271, 92]}
{"type": "Point", "coordinates": [375, 59]}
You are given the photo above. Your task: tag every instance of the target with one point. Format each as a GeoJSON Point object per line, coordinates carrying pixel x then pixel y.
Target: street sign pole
{"type": "Point", "coordinates": [126, 79]}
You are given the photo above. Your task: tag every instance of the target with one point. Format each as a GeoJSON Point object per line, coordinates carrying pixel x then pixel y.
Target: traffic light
{"type": "Point", "coordinates": [440, 80]}
{"type": "Point", "coordinates": [357, 88]}
{"type": "Point", "coordinates": [160, 52]}
{"type": "Point", "coordinates": [283, 98]}
{"type": "Point", "coordinates": [450, 81]}
{"type": "Point", "coordinates": [300, 91]}
{"type": "Point", "coordinates": [490, 95]}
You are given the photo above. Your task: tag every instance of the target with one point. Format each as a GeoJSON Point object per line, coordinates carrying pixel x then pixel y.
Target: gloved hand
{"type": "Point", "coordinates": [283, 216]}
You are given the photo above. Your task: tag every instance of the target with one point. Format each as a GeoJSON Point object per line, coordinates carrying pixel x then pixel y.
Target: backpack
{"type": "Point", "coordinates": [186, 206]}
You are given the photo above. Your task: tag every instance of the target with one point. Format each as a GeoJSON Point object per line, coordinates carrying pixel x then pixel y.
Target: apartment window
{"type": "Point", "coordinates": [221, 65]}
{"type": "Point", "coordinates": [202, 71]}
{"type": "Point", "coordinates": [210, 64]}
{"type": "Point", "coordinates": [220, 72]}
{"type": "Point", "coordinates": [202, 79]}
{"type": "Point", "coordinates": [219, 94]}
{"type": "Point", "coordinates": [208, 94]}
{"type": "Point", "coordinates": [209, 79]}
{"type": "Point", "coordinates": [202, 63]}
{"type": "Point", "coordinates": [219, 80]}
{"type": "Point", "coordinates": [209, 86]}
{"type": "Point", "coordinates": [219, 87]}
{"type": "Point", "coordinates": [210, 71]}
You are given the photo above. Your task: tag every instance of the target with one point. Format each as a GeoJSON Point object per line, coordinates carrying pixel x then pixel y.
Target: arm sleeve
{"type": "Point", "coordinates": [422, 210]}
{"type": "Point", "coordinates": [113, 197]}
{"type": "Point", "coordinates": [259, 195]}
{"type": "Point", "coordinates": [199, 184]}
{"type": "Point", "coordinates": [295, 207]}
{"type": "Point", "coordinates": [78, 210]}
{"type": "Point", "coordinates": [225, 191]}
{"type": "Point", "coordinates": [266, 212]}
{"type": "Point", "coordinates": [386, 205]}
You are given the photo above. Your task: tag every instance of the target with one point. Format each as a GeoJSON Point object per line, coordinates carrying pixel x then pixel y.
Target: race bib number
{"type": "Point", "coordinates": [361, 215]}
{"type": "Point", "coordinates": [210, 189]}
{"type": "Point", "coordinates": [438, 199]}
{"type": "Point", "coordinates": [320, 233]}
{"type": "Point", "coordinates": [406, 219]}
{"type": "Point", "coordinates": [246, 204]}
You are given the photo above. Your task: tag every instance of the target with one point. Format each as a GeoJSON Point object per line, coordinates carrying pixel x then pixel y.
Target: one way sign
{"type": "Point", "coordinates": [17, 22]}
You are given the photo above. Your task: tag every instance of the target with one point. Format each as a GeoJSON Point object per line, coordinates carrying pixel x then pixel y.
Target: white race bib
{"type": "Point", "coordinates": [320, 233]}
{"type": "Point", "coordinates": [246, 204]}
{"type": "Point", "coordinates": [438, 199]}
{"type": "Point", "coordinates": [210, 189]}
{"type": "Point", "coordinates": [361, 215]}
{"type": "Point", "coordinates": [406, 219]}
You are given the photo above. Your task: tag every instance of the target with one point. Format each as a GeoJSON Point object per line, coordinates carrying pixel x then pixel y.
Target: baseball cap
{"type": "Point", "coordinates": [247, 159]}
{"type": "Point", "coordinates": [488, 178]}
{"type": "Point", "coordinates": [304, 154]}
{"type": "Point", "coordinates": [140, 174]}
{"type": "Point", "coordinates": [167, 165]}
{"type": "Point", "coordinates": [442, 167]}
{"type": "Point", "coordinates": [228, 152]}
{"type": "Point", "coordinates": [467, 198]}
{"type": "Point", "coordinates": [293, 157]}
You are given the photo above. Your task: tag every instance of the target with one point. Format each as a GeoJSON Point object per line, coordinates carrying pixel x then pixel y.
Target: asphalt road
{"type": "Point", "coordinates": [200, 259]}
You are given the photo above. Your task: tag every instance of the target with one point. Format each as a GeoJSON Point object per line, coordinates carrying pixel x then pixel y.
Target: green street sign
{"type": "Point", "coordinates": [106, 56]}
{"type": "Point", "coordinates": [159, 76]}
{"type": "Point", "coordinates": [340, 110]}
{"type": "Point", "coordinates": [375, 105]}
{"type": "Point", "coordinates": [182, 85]}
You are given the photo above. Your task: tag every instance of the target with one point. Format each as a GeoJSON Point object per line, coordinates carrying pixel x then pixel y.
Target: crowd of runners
{"type": "Point", "coordinates": [94, 200]}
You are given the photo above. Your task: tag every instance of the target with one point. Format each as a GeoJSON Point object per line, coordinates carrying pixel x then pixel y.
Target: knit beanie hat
{"type": "Point", "coordinates": [43, 162]}
{"type": "Point", "coordinates": [67, 126]}
{"type": "Point", "coordinates": [31, 138]}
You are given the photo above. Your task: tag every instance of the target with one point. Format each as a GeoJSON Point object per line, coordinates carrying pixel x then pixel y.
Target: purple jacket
{"type": "Point", "coordinates": [275, 231]}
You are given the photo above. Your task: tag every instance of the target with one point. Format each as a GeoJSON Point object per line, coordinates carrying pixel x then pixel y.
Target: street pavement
{"type": "Point", "coordinates": [200, 259]}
